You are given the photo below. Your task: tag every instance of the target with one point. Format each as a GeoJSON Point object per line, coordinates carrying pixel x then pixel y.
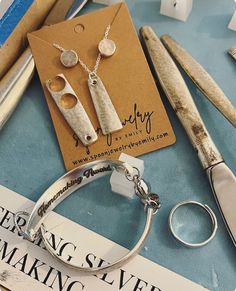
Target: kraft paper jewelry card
{"type": "Point", "coordinates": [99, 89]}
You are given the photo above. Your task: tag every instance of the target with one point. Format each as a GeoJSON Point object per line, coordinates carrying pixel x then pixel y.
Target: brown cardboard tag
{"type": "Point", "coordinates": [126, 76]}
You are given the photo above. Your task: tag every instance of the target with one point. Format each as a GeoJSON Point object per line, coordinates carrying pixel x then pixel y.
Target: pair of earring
{"type": "Point", "coordinates": [69, 58]}
{"type": "Point", "coordinates": [72, 109]}
{"type": "Point", "coordinates": [105, 110]}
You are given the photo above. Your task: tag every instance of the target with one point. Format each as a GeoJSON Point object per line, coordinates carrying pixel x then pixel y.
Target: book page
{"type": "Point", "coordinates": [27, 266]}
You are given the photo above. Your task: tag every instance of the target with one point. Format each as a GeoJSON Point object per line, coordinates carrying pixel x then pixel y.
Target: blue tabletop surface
{"type": "Point", "coordinates": [30, 157]}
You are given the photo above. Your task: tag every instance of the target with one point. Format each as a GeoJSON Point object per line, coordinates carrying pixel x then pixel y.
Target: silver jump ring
{"type": "Point", "coordinates": [130, 177]}
{"type": "Point", "coordinates": [93, 78]}
{"type": "Point", "coordinates": [209, 212]}
{"type": "Point", "coordinates": [152, 204]}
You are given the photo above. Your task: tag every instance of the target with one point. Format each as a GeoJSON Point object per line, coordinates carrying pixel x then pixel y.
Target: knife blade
{"type": "Point", "coordinates": [222, 180]}
{"type": "Point", "coordinates": [201, 78]}
{"type": "Point", "coordinates": [223, 184]}
{"type": "Point", "coordinates": [14, 83]}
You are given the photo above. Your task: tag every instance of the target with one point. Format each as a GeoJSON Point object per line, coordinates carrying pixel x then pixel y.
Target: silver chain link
{"type": "Point", "coordinates": [99, 57]}
{"type": "Point", "coordinates": [143, 191]}
{"type": "Point", "coordinates": [58, 47]}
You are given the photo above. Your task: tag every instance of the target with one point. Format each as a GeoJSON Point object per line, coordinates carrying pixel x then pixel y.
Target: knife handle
{"type": "Point", "coordinates": [180, 99]}
{"type": "Point", "coordinates": [14, 83]}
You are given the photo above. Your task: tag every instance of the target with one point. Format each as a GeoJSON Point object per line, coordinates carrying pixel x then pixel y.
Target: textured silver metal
{"type": "Point", "coordinates": [209, 212]}
{"type": "Point", "coordinates": [69, 58]}
{"type": "Point", "coordinates": [99, 57]}
{"type": "Point", "coordinates": [107, 47]}
{"type": "Point", "coordinates": [75, 115]}
{"type": "Point", "coordinates": [65, 186]}
{"type": "Point", "coordinates": [98, 60]}
{"type": "Point", "coordinates": [106, 113]}
{"type": "Point", "coordinates": [79, 60]}
{"type": "Point", "coordinates": [223, 183]}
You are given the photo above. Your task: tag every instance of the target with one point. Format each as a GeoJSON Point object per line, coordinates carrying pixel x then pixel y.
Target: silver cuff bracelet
{"type": "Point", "coordinates": [74, 180]}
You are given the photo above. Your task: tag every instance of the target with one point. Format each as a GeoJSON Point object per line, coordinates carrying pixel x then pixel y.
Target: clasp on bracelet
{"type": "Point", "coordinates": [143, 191]}
{"type": "Point", "coordinates": [153, 201]}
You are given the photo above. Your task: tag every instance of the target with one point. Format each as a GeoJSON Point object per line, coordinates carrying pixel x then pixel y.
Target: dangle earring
{"type": "Point", "coordinates": [71, 108]}
{"type": "Point", "coordinates": [105, 110]}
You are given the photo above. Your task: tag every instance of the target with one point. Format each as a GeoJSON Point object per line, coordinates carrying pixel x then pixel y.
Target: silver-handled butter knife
{"type": "Point", "coordinates": [223, 181]}
{"type": "Point", "coordinates": [14, 83]}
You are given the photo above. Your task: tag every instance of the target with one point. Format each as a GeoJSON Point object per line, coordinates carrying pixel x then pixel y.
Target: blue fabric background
{"type": "Point", "coordinates": [30, 158]}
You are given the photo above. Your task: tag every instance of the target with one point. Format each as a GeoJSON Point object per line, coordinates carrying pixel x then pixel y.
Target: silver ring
{"type": "Point", "coordinates": [65, 186]}
{"type": "Point", "coordinates": [210, 213]}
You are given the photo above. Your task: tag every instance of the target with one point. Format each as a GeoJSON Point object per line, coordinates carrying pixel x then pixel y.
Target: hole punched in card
{"type": "Point", "coordinates": [72, 109]}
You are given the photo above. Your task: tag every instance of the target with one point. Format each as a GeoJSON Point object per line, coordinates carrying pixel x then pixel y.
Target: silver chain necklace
{"type": "Point", "coordinates": [99, 57]}
{"type": "Point", "coordinates": [105, 110]}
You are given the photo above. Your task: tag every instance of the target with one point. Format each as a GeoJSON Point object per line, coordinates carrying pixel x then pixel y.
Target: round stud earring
{"type": "Point", "coordinates": [68, 58]}
{"type": "Point", "coordinates": [107, 47]}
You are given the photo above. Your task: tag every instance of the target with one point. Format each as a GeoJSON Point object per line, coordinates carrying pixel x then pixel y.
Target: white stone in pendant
{"type": "Point", "coordinates": [69, 58]}
{"type": "Point", "coordinates": [107, 47]}
{"type": "Point", "coordinates": [106, 113]}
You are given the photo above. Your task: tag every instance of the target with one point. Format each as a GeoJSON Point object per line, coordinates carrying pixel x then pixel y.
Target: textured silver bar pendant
{"type": "Point", "coordinates": [106, 113]}
{"type": "Point", "coordinates": [72, 109]}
